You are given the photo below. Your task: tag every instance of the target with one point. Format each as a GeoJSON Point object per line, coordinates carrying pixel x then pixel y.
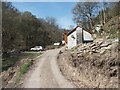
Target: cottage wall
{"type": "Point", "coordinates": [79, 35]}
{"type": "Point", "coordinates": [87, 36]}
{"type": "Point", "coordinates": [72, 40]}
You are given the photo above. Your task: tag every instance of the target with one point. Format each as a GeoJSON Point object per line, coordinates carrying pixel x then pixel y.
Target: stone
{"type": "Point", "coordinates": [94, 47]}
{"type": "Point", "coordinates": [90, 52]}
{"type": "Point", "coordinates": [113, 73]}
{"type": "Point", "coordinates": [105, 45]}
{"type": "Point", "coordinates": [79, 55]}
{"type": "Point", "coordinates": [108, 47]}
{"type": "Point", "coordinates": [102, 51]}
{"type": "Point", "coordinates": [100, 42]}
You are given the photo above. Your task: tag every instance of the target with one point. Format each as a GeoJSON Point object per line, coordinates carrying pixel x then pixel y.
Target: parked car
{"type": "Point", "coordinates": [56, 44]}
{"type": "Point", "coordinates": [37, 48]}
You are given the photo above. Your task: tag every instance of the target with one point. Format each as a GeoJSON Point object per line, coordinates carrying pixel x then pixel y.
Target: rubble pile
{"type": "Point", "coordinates": [91, 65]}
{"type": "Point", "coordinates": [95, 47]}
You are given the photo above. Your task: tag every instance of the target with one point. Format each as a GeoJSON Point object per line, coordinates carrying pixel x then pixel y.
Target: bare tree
{"type": "Point", "coordinates": [85, 10]}
{"type": "Point", "coordinates": [106, 5]}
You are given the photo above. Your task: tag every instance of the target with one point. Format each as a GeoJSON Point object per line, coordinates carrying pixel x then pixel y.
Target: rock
{"type": "Point", "coordinates": [94, 47]}
{"type": "Point", "coordinates": [108, 47]}
{"type": "Point", "coordinates": [98, 63]}
{"type": "Point", "coordinates": [90, 52]}
{"type": "Point", "coordinates": [94, 51]}
{"type": "Point", "coordinates": [105, 44]}
{"type": "Point", "coordinates": [113, 73]}
{"type": "Point", "coordinates": [102, 51]}
{"type": "Point", "coordinates": [100, 42]}
{"type": "Point", "coordinates": [60, 52]}
{"type": "Point", "coordinates": [79, 55]}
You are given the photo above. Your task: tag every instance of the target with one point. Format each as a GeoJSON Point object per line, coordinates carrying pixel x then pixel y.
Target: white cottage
{"type": "Point", "coordinates": [78, 35]}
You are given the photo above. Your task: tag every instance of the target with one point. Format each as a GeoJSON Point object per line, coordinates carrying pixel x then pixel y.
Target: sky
{"type": "Point", "coordinates": [62, 11]}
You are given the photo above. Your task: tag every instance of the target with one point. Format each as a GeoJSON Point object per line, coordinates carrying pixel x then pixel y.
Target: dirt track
{"type": "Point", "coordinates": [46, 73]}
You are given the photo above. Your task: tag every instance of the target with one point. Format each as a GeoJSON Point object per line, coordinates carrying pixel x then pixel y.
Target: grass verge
{"type": "Point", "coordinates": [23, 70]}
{"type": "Point", "coordinates": [9, 62]}
{"type": "Point", "coordinates": [23, 61]}
{"type": "Point", "coordinates": [25, 67]}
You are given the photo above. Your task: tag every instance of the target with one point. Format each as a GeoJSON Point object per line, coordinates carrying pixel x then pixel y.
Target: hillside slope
{"type": "Point", "coordinates": [91, 65]}
{"type": "Point", "coordinates": [112, 28]}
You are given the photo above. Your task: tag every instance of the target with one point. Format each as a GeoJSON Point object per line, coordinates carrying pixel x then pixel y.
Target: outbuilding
{"type": "Point", "coordinates": [78, 35]}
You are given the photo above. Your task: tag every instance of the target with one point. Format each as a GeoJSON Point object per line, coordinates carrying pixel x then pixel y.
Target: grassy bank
{"type": "Point", "coordinates": [8, 62]}
{"type": "Point", "coordinates": [24, 69]}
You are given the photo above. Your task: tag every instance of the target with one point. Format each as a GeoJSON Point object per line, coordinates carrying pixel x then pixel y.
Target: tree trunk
{"type": "Point", "coordinates": [104, 16]}
{"type": "Point", "coordinates": [91, 24]}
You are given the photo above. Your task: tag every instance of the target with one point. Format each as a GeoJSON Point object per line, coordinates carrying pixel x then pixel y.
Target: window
{"type": "Point", "coordinates": [73, 36]}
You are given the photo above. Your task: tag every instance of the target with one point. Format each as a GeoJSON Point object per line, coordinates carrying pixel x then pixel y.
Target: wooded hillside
{"type": "Point", "coordinates": [23, 30]}
{"type": "Point", "coordinates": [88, 14]}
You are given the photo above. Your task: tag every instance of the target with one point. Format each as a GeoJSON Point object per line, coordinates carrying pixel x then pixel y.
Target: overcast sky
{"type": "Point", "coordinates": [62, 11]}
